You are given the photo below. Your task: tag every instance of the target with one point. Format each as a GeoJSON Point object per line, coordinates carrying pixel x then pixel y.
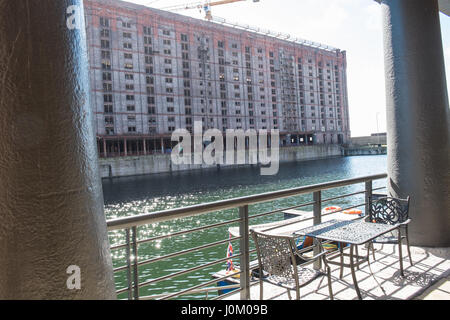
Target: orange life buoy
{"type": "Point", "coordinates": [331, 209]}
{"type": "Point", "coordinates": [353, 211]}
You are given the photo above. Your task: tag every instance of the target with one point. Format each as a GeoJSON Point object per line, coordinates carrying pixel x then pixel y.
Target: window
{"type": "Point", "coordinates": [166, 42]}
{"type": "Point", "coordinates": [104, 33]}
{"type": "Point", "coordinates": [132, 129]}
{"type": "Point", "coordinates": [107, 98]}
{"type": "Point", "coordinates": [128, 66]}
{"type": "Point", "coordinates": [166, 32]}
{"type": "Point", "coordinates": [107, 87]}
{"type": "Point", "coordinates": [184, 37]}
{"type": "Point", "coordinates": [106, 76]}
{"type": "Point", "coordinates": [127, 35]}
{"type": "Point", "coordinates": [108, 108]}
{"type": "Point", "coordinates": [147, 30]}
{"type": "Point", "coordinates": [127, 45]}
{"type": "Point", "coordinates": [106, 54]}
{"type": "Point", "coordinates": [130, 108]}
{"type": "Point", "coordinates": [148, 50]}
{"type": "Point", "coordinates": [126, 24]}
{"type": "Point", "coordinates": [104, 44]}
{"type": "Point", "coordinates": [147, 40]}
{"type": "Point", "coordinates": [129, 86]}
{"type": "Point", "coordinates": [109, 120]}
{"type": "Point", "coordinates": [104, 22]}
{"type": "Point", "coordinates": [130, 97]}
{"type": "Point", "coordinates": [128, 55]}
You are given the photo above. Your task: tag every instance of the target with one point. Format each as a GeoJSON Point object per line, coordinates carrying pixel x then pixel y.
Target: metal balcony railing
{"type": "Point", "coordinates": [135, 265]}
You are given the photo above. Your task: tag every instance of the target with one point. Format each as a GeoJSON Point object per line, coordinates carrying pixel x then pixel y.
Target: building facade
{"type": "Point", "coordinates": [153, 71]}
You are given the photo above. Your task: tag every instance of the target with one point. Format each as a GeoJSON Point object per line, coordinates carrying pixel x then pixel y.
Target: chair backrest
{"type": "Point", "coordinates": [389, 210]}
{"type": "Point", "coordinates": [275, 254]}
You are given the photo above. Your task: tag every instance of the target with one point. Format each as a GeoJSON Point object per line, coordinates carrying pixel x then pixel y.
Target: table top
{"type": "Point", "coordinates": [350, 231]}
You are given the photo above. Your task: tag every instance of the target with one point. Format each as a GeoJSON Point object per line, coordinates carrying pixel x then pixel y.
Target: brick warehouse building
{"type": "Point", "coordinates": [153, 71]}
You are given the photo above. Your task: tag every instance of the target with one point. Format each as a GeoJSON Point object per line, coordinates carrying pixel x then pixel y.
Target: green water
{"type": "Point", "coordinates": [137, 195]}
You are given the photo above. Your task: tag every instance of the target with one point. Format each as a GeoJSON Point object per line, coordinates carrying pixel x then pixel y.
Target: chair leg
{"type": "Point", "coordinates": [260, 289]}
{"type": "Point", "coordinates": [330, 289]}
{"type": "Point", "coordinates": [407, 245]}
{"type": "Point", "coordinates": [373, 251]}
{"type": "Point", "coordinates": [289, 294]}
{"type": "Point", "coordinates": [400, 258]}
{"type": "Point", "coordinates": [357, 257]}
{"type": "Point", "coordinates": [341, 250]}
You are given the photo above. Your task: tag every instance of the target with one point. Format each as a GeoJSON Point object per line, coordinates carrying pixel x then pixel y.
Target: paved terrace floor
{"type": "Point", "coordinates": [426, 279]}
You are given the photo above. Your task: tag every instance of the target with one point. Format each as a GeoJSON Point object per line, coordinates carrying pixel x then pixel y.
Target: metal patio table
{"type": "Point", "coordinates": [352, 232]}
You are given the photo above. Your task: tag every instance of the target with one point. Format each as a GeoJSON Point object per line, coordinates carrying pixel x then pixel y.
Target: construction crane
{"type": "Point", "coordinates": [205, 5]}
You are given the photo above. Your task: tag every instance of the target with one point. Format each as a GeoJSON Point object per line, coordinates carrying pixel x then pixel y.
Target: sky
{"type": "Point", "coordinates": [351, 25]}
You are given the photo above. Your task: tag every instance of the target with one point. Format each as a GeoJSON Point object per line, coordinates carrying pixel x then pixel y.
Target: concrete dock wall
{"type": "Point", "coordinates": [159, 163]}
{"type": "Point", "coordinates": [362, 151]}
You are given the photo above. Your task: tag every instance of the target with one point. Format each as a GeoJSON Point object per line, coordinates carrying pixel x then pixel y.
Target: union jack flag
{"type": "Point", "coordinates": [230, 266]}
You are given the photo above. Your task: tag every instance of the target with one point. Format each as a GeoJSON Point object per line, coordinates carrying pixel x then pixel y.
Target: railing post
{"type": "Point", "coordinates": [368, 195]}
{"type": "Point", "coordinates": [128, 253]}
{"type": "Point", "coordinates": [317, 219]}
{"type": "Point", "coordinates": [135, 263]}
{"type": "Point", "coordinates": [244, 250]}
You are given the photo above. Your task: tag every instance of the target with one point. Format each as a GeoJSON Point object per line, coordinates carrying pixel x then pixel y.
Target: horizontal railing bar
{"type": "Point", "coordinates": [165, 215]}
{"type": "Point", "coordinates": [279, 210]}
{"type": "Point", "coordinates": [343, 196]}
{"type": "Point", "coordinates": [215, 225]}
{"type": "Point", "coordinates": [119, 246]}
{"type": "Point", "coordinates": [238, 220]}
{"type": "Point", "coordinates": [194, 291]}
{"type": "Point", "coordinates": [179, 273]}
{"type": "Point", "coordinates": [181, 232]}
{"type": "Point", "coordinates": [122, 290]}
{"type": "Point", "coordinates": [227, 294]}
{"type": "Point", "coordinates": [120, 268]}
{"type": "Point", "coordinates": [183, 292]}
{"type": "Point", "coordinates": [179, 253]}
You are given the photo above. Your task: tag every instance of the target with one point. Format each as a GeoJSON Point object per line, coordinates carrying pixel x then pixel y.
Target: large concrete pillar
{"type": "Point", "coordinates": [51, 202]}
{"type": "Point", "coordinates": [418, 117]}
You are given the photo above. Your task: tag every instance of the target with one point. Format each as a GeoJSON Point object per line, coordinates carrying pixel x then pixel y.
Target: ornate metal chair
{"type": "Point", "coordinates": [390, 210]}
{"type": "Point", "coordinates": [278, 264]}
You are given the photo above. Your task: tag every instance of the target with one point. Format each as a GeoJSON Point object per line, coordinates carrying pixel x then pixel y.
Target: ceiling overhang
{"type": "Point", "coordinates": [444, 6]}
